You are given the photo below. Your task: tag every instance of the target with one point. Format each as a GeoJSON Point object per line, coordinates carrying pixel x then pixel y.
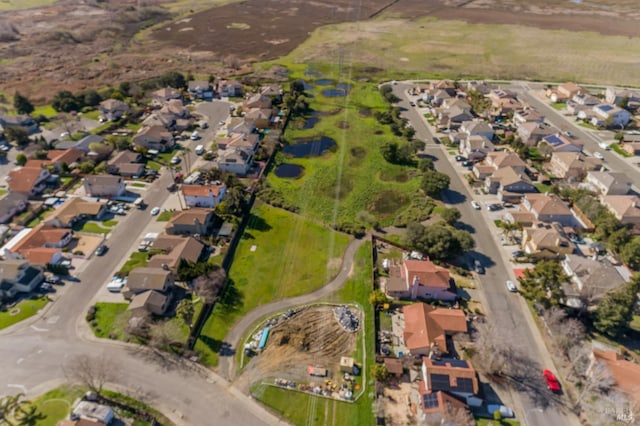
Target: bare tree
{"type": "Point", "coordinates": [566, 332]}
{"type": "Point", "coordinates": [208, 286]}
{"type": "Point", "coordinates": [91, 371]}
{"type": "Point", "coordinates": [460, 416]}
{"type": "Point", "coordinates": [166, 334]}
{"type": "Point", "coordinates": [138, 325]}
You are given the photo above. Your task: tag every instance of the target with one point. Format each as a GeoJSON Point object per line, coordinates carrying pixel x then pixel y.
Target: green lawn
{"type": "Point", "coordinates": [355, 178]}
{"type": "Point", "coordinates": [559, 105]}
{"type": "Point", "coordinates": [618, 150]}
{"type": "Point", "coordinates": [281, 255]}
{"type": "Point", "coordinates": [3, 191]}
{"type": "Point", "coordinates": [56, 404]}
{"type": "Point", "coordinates": [93, 115]}
{"type": "Point", "coordinates": [94, 228]}
{"type": "Point", "coordinates": [635, 324]}
{"type": "Point", "coordinates": [153, 165]}
{"type": "Point", "coordinates": [542, 188]}
{"type": "Point", "coordinates": [165, 216]}
{"type": "Point", "coordinates": [304, 409]}
{"type": "Point", "coordinates": [587, 125]}
{"type": "Point", "coordinates": [111, 319]}
{"type": "Point", "coordinates": [138, 259]}
{"type": "Point", "coordinates": [101, 128]}
{"type": "Point", "coordinates": [504, 422]}
{"type": "Point", "coordinates": [110, 223]}
{"type": "Point", "coordinates": [138, 185]}
{"type": "Point", "coordinates": [21, 311]}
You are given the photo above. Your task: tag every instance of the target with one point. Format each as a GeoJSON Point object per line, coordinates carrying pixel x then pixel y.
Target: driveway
{"type": "Point", "coordinates": [508, 311]}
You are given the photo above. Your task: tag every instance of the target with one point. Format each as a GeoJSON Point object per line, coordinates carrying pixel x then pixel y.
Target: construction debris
{"type": "Point", "coordinates": [347, 319]}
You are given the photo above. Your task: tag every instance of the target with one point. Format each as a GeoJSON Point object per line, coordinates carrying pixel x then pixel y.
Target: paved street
{"type": "Point", "coordinates": [35, 351]}
{"type": "Point", "coordinates": [506, 310]}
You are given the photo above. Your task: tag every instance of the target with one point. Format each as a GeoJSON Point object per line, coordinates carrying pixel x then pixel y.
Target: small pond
{"type": "Point", "coordinates": [309, 147]}
{"type": "Point", "coordinates": [310, 122]}
{"type": "Point", "coordinates": [332, 93]}
{"type": "Point", "coordinates": [324, 82]}
{"type": "Point", "coordinates": [286, 170]}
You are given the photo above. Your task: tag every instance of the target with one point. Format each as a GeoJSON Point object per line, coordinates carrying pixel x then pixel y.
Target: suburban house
{"type": "Point", "coordinates": [453, 117]}
{"type": "Point", "coordinates": [440, 96]}
{"type": "Point", "coordinates": [150, 289]}
{"type": "Point", "coordinates": [113, 109]}
{"type": "Point", "coordinates": [93, 412]}
{"type": "Point", "coordinates": [615, 96]}
{"type": "Point", "coordinates": [626, 374]}
{"type": "Point", "coordinates": [12, 204]}
{"type": "Point", "coordinates": [195, 221]}
{"type": "Point", "coordinates": [154, 137]}
{"type": "Point", "coordinates": [477, 128]}
{"type": "Point", "coordinates": [203, 195]}
{"type": "Point", "coordinates": [476, 147]}
{"type": "Point", "coordinates": [69, 157]}
{"type": "Point", "coordinates": [420, 279]}
{"type": "Point", "coordinates": [151, 301]}
{"type": "Point", "coordinates": [527, 115]}
{"type": "Point", "coordinates": [175, 248]}
{"type": "Point", "coordinates": [610, 183]}
{"type": "Point", "coordinates": [572, 166]}
{"type": "Point", "coordinates": [73, 211]}
{"type": "Point", "coordinates": [558, 143]}
{"type": "Point", "coordinates": [581, 102]}
{"type": "Point", "coordinates": [531, 133]}
{"type": "Point", "coordinates": [200, 89]}
{"type": "Point", "coordinates": [564, 92]}
{"type": "Point", "coordinates": [104, 185]}
{"type": "Point", "coordinates": [160, 96]}
{"type": "Point", "coordinates": [454, 376]}
{"type": "Point", "coordinates": [28, 180]}
{"type": "Point", "coordinates": [20, 120]}
{"type": "Point", "coordinates": [245, 142]}
{"type": "Point", "coordinates": [426, 328]}
{"type": "Point", "coordinates": [239, 125]}
{"type": "Point", "coordinates": [590, 279]}
{"type": "Point", "coordinates": [626, 208]}
{"type": "Point", "coordinates": [257, 101]}
{"type": "Point", "coordinates": [524, 218]}
{"type": "Point", "coordinates": [83, 144]}
{"type": "Point", "coordinates": [17, 276]}
{"type": "Point", "coordinates": [229, 88]}
{"type": "Point", "coordinates": [503, 103]}
{"type": "Point", "coordinates": [549, 208]}
{"type": "Point", "coordinates": [39, 245]}
{"type": "Point", "coordinates": [274, 91]}
{"type": "Point", "coordinates": [261, 118]}
{"type": "Point", "coordinates": [126, 163]}
{"type": "Point", "coordinates": [610, 115]}
{"type": "Point", "coordinates": [546, 241]}
{"type": "Point", "coordinates": [501, 159]}
{"type": "Point", "coordinates": [632, 148]}
{"type": "Point", "coordinates": [509, 184]}
{"type": "Point", "coordinates": [439, 406]}
{"type": "Point", "coordinates": [235, 153]}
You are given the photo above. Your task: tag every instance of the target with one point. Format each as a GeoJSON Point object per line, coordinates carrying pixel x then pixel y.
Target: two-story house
{"type": "Point", "coordinates": [610, 183]}
{"type": "Point", "coordinates": [590, 279]}
{"type": "Point", "coordinates": [564, 92]}
{"type": "Point", "coordinates": [200, 89]}
{"type": "Point", "coordinates": [531, 133]}
{"type": "Point", "coordinates": [229, 88]}
{"type": "Point", "coordinates": [454, 376]}
{"type": "Point", "coordinates": [572, 166]}
{"type": "Point", "coordinates": [12, 204]}
{"type": "Point", "coordinates": [74, 210]}
{"type": "Point", "coordinates": [28, 180]}
{"type": "Point", "coordinates": [17, 276]}
{"type": "Point", "coordinates": [113, 109]}
{"type": "Point", "coordinates": [175, 248]}
{"type": "Point", "coordinates": [546, 241]}
{"type": "Point", "coordinates": [509, 184]}
{"type": "Point", "coordinates": [420, 279]}
{"type": "Point", "coordinates": [160, 96]}
{"type": "Point", "coordinates": [626, 208]}
{"type": "Point", "coordinates": [154, 137]}
{"type": "Point", "coordinates": [427, 328]}
{"type": "Point", "coordinates": [20, 120]}
{"type": "Point", "coordinates": [195, 221]}
{"type": "Point", "coordinates": [39, 245]}
{"type": "Point", "coordinates": [476, 147]}
{"type": "Point", "coordinates": [558, 143]}
{"type": "Point", "coordinates": [149, 289]}
{"type": "Point", "coordinates": [104, 185]}
{"type": "Point", "coordinates": [477, 128]}
{"type": "Point", "coordinates": [126, 163]}
{"type": "Point", "coordinates": [610, 115]}
{"type": "Point", "coordinates": [207, 196]}
{"type": "Point", "coordinates": [549, 208]}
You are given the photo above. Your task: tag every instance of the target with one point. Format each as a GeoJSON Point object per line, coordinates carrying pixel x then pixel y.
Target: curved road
{"type": "Point", "coordinates": [227, 364]}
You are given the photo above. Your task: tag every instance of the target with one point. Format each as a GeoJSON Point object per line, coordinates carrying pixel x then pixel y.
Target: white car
{"type": "Point", "coordinates": [116, 284]}
{"type": "Point", "coordinates": [475, 204]}
{"type": "Point", "coordinates": [604, 146]}
{"type": "Point", "coordinates": [598, 155]}
{"type": "Point", "coordinates": [195, 136]}
{"type": "Point", "coordinates": [175, 160]}
{"type": "Point", "coordinates": [511, 286]}
{"type": "Point", "coordinates": [155, 211]}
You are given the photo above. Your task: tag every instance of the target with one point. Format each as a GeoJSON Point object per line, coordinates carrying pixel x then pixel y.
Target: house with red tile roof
{"type": "Point", "coordinates": [41, 246]}
{"type": "Point", "coordinates": [453, 376]}
{"type": "Point", "coordinates": [427, 328]}
{"type": "Point", "coordinates": [28, 180]}
{"type": "Point", "coordinates": [439, 406]}
{"type": "Point", "coordinates": [207, 196]}
{"type": "Point", "coordinates": [419, 279]}
{"type": "Point", "coordinates": [625, 373]}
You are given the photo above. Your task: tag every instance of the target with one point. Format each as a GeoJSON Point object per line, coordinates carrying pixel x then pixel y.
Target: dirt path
{"type": "Point", "coordinates": [227, 367]}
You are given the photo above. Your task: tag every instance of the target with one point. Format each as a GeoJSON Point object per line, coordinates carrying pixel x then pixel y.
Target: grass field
{"type": "Point", "coordinates": [304, 409]}
{"type": "Point", "coordinates": [56, 404]}
{"type": "Point", "coordinates": [22, 311]}
{"type": "Point", "coordinates": [281, 255]}
{"type": "Point", "coordinates": [338, 186]}
{"type": "Point", "coordinates": [6, 5]}
{"type": "Point", "coordinates": [46, 110]}
{"type": "Point", "coordinates": [455, 49]}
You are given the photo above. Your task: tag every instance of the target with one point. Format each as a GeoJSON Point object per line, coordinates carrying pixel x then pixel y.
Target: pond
{"type": "Point", "coordinates": [309, 147]}
{"type": "Point", "coordinates": [324, 82]}
{"type": "Point", "coordinates": [286, 170]}
{"type": "Point", "coordinates": [310, 122]}
{"type": "Point", "coordinates": [332, 93]}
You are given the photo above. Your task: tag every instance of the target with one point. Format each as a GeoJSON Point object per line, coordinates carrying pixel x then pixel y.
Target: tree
{"type": "Point", "coordinates": [173, 79]}
{"type": "Point", "coordinates": [208, 286]}
{"type": "Point", "coordinates": [91, 371]}
{"type": "Point", "coordinates": [438, 241]}
{"type": "Point", "coordinates": [166, 335]}
{"type": "Point", "coordinates": [615, 312]}
{"type": "Point", "coordinates": [65, 101]}
{"type": "Point", "coordinates": [389, 151]}
{"type": "Point", "coordinates": [630, 253]}
{"type": "Point", "coordinates": [124, 88]}
{"type": "Point", "coordinates": [233, 204]}
{"type": "Point", "coordinates": [14, 410]}
{"type": "Point", "coordinates": [377, 297]}
{"type": "Point", "coordinates": [425, 164]}
{"type": "Point", "coordinates": [186, 311]}
{"type": "Point", "coordinates": [543, 283]}
{"type": "Point", "coordinates": [433, 183]}
{"type": "Point", "coordinates": [86, 167]}
{"type": "Point", "coordinates": [379, 372]}
{"type": "Point", "coordinates": [90, 97]}
{"type": "Point", "coordinates": [21, 159]}
{"type": "Point", "coordinates": [18, 135]}
{"type": "Point", "coordinates": [450, 215]}
{"type": "Point", "coordinates": [22, 104]}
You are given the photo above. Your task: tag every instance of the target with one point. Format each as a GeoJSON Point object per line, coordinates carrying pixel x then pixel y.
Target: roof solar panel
{"type": "Point", "coordinates": [430, 400]}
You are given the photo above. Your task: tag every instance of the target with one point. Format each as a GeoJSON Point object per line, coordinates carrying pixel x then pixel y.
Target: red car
{"type": "Point", "coordinates": [552, 381]}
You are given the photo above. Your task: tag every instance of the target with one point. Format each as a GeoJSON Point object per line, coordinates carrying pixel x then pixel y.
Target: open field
{"type": "Point", "coordinates": [22, 311]}
{"type": "Point", "coordinates": [281, 255]}
{"type": "Point", "coordinates": [303, 409]}
{"type": "Point", "coordinates": [355, 178]}
{"type": "Point", "coordinates": [125, 40]}
{"type": "Point", "coordinates": [457, 49]}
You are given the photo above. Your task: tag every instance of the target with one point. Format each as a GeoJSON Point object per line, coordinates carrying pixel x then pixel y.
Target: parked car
{"type": "Point", "coordinates": [195, 136]}
{"type": "Point", "coordinates": [505, 412]}
{"type": "Point", "coordinates": [511, 286]}
{"type": "Point", "coordinates": [175, 160]}
{"type": "Point", "coordinates": [101, 250]}
{"type": "Point", "coordinates": [475, 204]}
{"type": "Point", "coordinates": [516, 254]}
{"type": "Point", "coordinates": [494, 207]}
{"type": "Point", "coordinates": [478, 266]}
{"type": "Point", "coordinates": [436, 140]}
{"type": "Point", "coordinates": [155, 211]}
{"type": "Point", "coordinates": [467, 163]}
{"type": "Point", "coordinates": [46, 287]}
{"type": "Point", "coordinates": [460, 158]}
{"type": "Point", "coordinates": [412, 104]}
{"type": "Point", "coordinates": [598, 155]}
{"type": "Point", "coordinates": [116, 284]}
{"type": "Point", "coordinates": [552, 382]}
{"type": "Point", "coordinates": [604, 146]}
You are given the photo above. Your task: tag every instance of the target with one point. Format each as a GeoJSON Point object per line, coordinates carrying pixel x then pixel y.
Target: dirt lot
{"type": "Point", "coordinates": [311, 337]}
{"type": "Point", "coordinates": [76, 44]}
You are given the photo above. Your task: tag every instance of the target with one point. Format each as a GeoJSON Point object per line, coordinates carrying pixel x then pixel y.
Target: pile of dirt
{"type": "Point", "coordinates": [311, 337]}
